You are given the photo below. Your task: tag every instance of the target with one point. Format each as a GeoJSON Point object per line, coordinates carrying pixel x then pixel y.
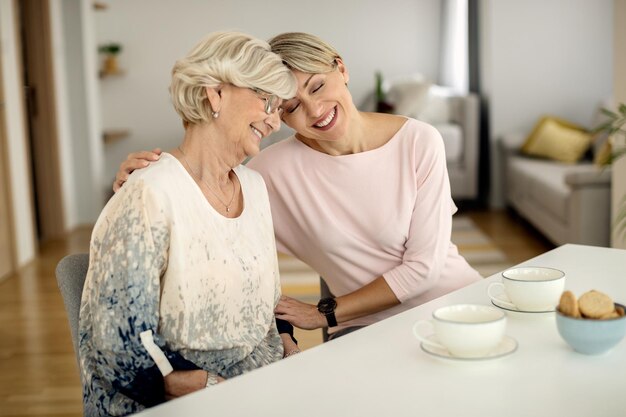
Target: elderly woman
{"type": "Point", "coordinates": [183, 278]}
{"type": "Point", "coordinates": [363, 198]}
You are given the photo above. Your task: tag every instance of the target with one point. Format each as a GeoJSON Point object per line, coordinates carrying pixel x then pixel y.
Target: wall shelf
{"type": "Point", "coordinates": [110, 136]}
{"type": "Point", "coordinates": [107, 74]}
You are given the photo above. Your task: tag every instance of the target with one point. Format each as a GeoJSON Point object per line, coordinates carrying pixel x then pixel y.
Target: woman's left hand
{"type": "Point", "coordinates": [302, 315]}
{"type": "Point", "coordinates": [289, 346]}
{"type": "Point", "coordinates": [179, 383]}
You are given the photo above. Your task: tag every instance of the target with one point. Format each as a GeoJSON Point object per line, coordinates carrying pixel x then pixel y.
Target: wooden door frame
{"type": "Point", "coordinates": [44, 153]}
{"type": "Point", "coordinates": [5, 177]}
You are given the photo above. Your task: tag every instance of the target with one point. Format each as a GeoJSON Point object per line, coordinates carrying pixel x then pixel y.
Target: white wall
{"type": "Point", "coordinates": [539, 56]}
{"type": "Point", "coordinates": [396, 37]}
{"type": "Point", "coordinates": [545, 57]}
{"type": "Point", "coordinates": [551, 56]}
{"type": "Point", "coordinates": [16, 136]}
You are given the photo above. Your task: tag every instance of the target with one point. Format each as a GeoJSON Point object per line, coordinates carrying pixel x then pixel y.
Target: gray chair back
{"type": "Point", "coordinates": [71, 272]}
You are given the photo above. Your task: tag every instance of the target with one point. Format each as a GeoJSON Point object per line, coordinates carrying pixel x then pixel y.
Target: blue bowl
{"type": "Point", "coordinates": [591, 337]}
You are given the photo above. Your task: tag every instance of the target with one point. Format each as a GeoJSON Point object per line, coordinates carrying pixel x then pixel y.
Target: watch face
{"type": "Point", "coordinates": [326, 305]}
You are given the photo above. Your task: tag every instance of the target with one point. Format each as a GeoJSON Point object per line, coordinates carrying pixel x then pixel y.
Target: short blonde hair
{"type": "Point", "coordinates": [305, 52]}
{"type": "Point", "coordinates": [226, 57]}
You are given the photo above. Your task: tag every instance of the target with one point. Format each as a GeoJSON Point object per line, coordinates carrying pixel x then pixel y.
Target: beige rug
{"type": "Point", "coordinates": [479, 250]}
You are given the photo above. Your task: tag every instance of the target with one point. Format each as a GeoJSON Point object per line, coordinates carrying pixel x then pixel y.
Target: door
{"type": "Point", "coordinates": [42, 129]}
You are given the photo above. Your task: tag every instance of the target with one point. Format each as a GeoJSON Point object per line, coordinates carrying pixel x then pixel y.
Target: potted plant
{"type": "Point", "coordinates": [111, 50]}
{"type": "Point", "coordinates": [615, 127]}
{"type": "Point", "coordinates": [382, 105]}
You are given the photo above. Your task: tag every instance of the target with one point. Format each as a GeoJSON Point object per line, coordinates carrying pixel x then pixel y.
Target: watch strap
{"type": "Point", "coordinates": [331, 319]}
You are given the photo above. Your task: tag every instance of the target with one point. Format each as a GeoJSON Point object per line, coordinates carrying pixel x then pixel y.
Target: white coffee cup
{"type": "Point", "coordinates": [464, 330]}
{"type": "Point", "coordinates": [529, 288]}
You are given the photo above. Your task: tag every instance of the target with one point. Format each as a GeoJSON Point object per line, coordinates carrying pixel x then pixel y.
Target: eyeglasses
{"type": "Point", "coordinates": [272, 102]}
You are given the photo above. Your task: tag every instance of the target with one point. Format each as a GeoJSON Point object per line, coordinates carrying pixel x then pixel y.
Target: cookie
{"type": "Point", "coordinates": [568, 304]}
{"type": "Point", "coordinates": [612, 315]}
{"type": "Point", "coordinates": [620, 310]}
{"type": "Point", "coordinates": [594, 304]}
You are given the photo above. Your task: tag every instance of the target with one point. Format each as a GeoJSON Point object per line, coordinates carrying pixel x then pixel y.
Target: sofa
{"type": "Point", "coordinates": [456, 117]}
{"type": "Point", "coordinates": [461, 140]}
{"type": "Point", "coordinates": [566, 202]}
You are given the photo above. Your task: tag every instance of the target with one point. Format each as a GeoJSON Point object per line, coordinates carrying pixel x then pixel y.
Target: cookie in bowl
{"type": "Point", "coordinates": [592, 324]}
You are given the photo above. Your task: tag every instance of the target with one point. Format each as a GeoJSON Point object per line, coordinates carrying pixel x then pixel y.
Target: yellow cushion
{"type": "Point", "coordinates": [557, 139]}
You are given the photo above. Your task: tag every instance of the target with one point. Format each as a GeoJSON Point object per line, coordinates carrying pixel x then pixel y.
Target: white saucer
{"type": "Point", "coordinates": [506, 347]}
{"type": "Point", "coordinates": [515, 309]}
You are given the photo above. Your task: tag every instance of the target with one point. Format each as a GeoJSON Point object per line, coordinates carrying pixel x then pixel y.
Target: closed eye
{"type": "Point", "coordinates": [291, 107]}
{"type": "Point", "coordinates": [317, 88]}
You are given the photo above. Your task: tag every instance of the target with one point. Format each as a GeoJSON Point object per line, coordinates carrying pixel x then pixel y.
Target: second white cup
{"type": "Point", "coordinates": [529, 288]}
{"type": "Point", "coordinates": [464, 330]}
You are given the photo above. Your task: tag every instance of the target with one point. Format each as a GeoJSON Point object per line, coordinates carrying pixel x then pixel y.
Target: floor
{"type": "Point", "coordinates": [512, 234]}
{"type": "Point", "coordinates": [38, 373]}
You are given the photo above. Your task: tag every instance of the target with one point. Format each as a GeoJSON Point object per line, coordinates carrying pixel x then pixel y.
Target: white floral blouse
{"type": "Point", "coordinates": [163, 259]}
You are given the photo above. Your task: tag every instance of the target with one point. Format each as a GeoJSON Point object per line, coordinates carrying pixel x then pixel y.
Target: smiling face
{"type": "Point", "coordinates": [242, 118]}
{"type": "Point", "coordinates": [323, 105]}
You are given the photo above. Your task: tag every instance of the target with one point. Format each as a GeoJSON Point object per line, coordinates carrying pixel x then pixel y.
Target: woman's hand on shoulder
{"type": "Point", "coordinates": [135, 160]}
{"type": "Point", "coordinates": [179, 383]}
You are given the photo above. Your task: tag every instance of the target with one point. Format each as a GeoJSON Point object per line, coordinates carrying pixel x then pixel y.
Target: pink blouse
{"type": "Point", "coordinates": [356, 217]}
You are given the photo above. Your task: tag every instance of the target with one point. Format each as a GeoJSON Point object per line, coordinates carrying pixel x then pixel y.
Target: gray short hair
{"type": "Point", "coordinates": [226, 57]}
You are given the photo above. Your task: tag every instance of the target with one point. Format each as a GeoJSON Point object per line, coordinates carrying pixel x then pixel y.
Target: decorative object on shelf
{"type": "Point", "coordinates": [110, 65]}
{"type": "Point", "coordinates": [382, 106]}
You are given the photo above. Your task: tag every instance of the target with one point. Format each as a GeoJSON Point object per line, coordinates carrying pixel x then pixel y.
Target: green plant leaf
{"type": "Point", "coordinates": [617, 155]}
{"type": "Point", "coordinates": [380, 94]}
{"type": "Point", "coordinates": [603, 127]}
{"type": "Point", "coordinates": [110, 48]}
{"type": "Point", "coordinates": [608, 113]}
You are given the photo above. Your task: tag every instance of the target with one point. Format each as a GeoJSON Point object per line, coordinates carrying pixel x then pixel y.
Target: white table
{"type": "Point", "coordinates": [381, 370]}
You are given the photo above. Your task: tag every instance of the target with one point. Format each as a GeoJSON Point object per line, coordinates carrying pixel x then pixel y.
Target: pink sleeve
{"type": "Point", "coordinates": [430, 230]}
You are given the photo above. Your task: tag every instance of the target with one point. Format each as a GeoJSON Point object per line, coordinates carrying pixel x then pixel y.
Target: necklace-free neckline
{"type": "Point", "coordinates": [198, 178]}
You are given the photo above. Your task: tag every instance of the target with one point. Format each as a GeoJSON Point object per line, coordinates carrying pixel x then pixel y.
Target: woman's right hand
{"type": "Point", "coordinates": [135, 160]}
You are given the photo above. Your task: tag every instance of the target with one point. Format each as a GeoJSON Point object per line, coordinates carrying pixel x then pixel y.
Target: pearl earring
{"type": "Point", "coordinates": [215, 114]}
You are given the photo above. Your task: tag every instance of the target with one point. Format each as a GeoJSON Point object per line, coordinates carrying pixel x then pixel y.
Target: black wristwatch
{"type": "Point", "coordinates": [327, 306]}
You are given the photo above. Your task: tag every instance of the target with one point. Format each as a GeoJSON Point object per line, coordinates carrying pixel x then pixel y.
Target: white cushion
{"type": "Point", "coordinates": [437, 107]}
{"type": "Point", "coordinates": [408, 97]}
{"type": "Point", "coordinates": [452, 135]}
